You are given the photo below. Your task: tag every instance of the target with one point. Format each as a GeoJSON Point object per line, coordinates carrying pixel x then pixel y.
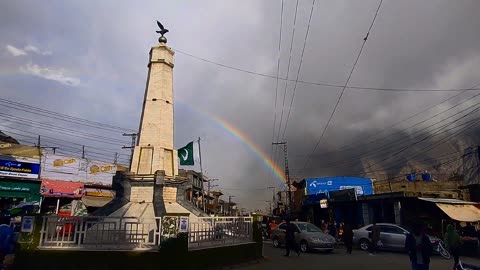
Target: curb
{"type": "Point", "coordinates": [236, 266]}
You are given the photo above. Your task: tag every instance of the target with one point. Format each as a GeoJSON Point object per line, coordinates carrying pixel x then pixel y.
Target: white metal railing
{"type": "Point", "coordinates": [220, 231]}
{"type": "Point", "coordinates": [99, 232]}
{"type": "Point", "coordinates": [131, 233]}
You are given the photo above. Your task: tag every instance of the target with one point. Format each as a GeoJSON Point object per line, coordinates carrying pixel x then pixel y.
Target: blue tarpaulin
{"type": "Point", "coordinates": [362, 186]}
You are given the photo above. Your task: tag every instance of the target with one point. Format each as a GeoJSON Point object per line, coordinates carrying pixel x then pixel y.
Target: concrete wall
{"type": "Point", "coordinates": [141, 194]}
{"type": "Point", "coordinates": [418, 186]}
{"type": "Point", "coordinates": [170, 194]}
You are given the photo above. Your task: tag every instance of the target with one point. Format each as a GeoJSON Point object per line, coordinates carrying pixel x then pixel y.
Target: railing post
{"type": "Point", "coordinates": [42, 232]}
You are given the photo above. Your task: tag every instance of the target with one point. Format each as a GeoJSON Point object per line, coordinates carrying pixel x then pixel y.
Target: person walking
{"type": "Point", "coordinates": [290, 239]}
{"type": "Point", "coordinates": [7, 245]}
{"type": "Point", "coordinates": [374, 239]}
{"type": "Point", "coordinates": [453, 242]}
{"type": "Point", "coordinates": [271, 226]}
{"type": "Point", "coordinates": [419, 248]}
{"type": "Point", "coordinates": [332, 229]}
{"type": "Point", "coordinates": [347, 237]}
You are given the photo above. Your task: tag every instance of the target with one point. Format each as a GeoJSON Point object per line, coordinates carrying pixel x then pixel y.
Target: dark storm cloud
{"type": "Point", "coordinates": [428, 44]}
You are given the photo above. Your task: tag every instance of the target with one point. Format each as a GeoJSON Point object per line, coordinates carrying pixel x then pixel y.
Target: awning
{"type": "Point", "coordinates": [93, 201]}
{"type": "Point", "coordinates": [461, 212]}
{"type": "Point", "coordinates": [64, 189]}
{"type": "Point", "coordinates": [447, 201]}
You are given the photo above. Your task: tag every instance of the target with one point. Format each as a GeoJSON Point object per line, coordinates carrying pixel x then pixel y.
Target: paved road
{"type": "Point", "coordinates": [274, 259]}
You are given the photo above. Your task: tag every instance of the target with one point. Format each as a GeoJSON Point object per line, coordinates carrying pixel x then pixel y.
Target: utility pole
{"type": "Point", "coordinates": [287, 173]}
{"type": "Point", "coordinates": [132, 145]}
{"type": "Point", "coordinates": [273, 198]}
{"type": "Point", "coordinates": [40, 154]}
{"type": "Point", "coordinates": [115, 158]}
{"type": "Point", "coordinates": [201, 174]}
{"type": "Point", "coordinates": [230, 205]}
{"type": "Point", "coordinates": [209, 185]}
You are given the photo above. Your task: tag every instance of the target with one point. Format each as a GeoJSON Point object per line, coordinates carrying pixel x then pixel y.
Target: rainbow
{"type": "Point", "coordinates": [237, 133]}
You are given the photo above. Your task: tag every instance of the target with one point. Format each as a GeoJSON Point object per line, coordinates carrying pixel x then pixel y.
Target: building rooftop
{"type": "Point", "coordinates": [8, 139]}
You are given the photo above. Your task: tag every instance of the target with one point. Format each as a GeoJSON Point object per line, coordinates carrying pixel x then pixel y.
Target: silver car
{"type": "Point", "coordinates": [307, 236]}
{"type": "Point", "coordinates": [392, 236]}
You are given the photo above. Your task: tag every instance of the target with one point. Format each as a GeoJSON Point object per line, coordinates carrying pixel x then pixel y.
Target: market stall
{"type": "Point", "coordinates": [463, 215]}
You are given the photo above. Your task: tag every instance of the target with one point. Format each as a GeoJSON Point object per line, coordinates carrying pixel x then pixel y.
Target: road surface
{"type": "Point", "coordinates": [274, 259]}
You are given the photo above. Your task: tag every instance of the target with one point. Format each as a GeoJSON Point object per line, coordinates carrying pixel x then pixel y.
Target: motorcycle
{"type": "Point", "coordinates": [462, 266]}
{"type": "Point", "coordinates": [439, 247]}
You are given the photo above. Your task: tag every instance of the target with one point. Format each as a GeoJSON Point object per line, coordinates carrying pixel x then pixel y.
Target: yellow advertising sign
{"type": "Point", "coordinates": [9, 149]}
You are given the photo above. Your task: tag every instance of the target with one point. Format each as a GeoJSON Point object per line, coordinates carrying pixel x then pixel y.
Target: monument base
{"type": "Point", "coordinates": [148, 196]}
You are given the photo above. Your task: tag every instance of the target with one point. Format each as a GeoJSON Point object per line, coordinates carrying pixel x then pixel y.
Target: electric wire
{"type": "Point", "coordinates": [343, 90]}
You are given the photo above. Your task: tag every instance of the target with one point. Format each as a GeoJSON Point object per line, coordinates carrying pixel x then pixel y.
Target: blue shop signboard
{"type": "Point", "coordinates": [10, 168]}
{"type": "Point", "coordinates": [362, 186]}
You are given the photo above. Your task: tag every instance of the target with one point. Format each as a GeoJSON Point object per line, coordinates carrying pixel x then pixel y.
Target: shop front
{"type": "Point", "coordinates": [14, 192]}
{"type": "Point", "coordinates": [339, 196]}
{"type": "Point", "coordinates": [463, 216]}
{"type": "Point", "coordinates": [58, 195]}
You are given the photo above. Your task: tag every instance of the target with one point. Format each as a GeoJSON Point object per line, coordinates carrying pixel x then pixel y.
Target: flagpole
{"type": "Point", "coordinates": [201, 173]}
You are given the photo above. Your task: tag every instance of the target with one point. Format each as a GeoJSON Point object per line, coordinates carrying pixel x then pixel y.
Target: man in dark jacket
{"type": "Point", "coordinates": [347, 237]}
{"type": "Point", "coordinates": [290, 239]}
{"type": "Point", "coordinates": [374, 238]}
{"type": "Point", "coordinates": [419, 248]}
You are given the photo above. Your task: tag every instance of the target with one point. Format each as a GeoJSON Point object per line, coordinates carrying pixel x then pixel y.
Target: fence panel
{"type": "Point", "coordinates": [131, 233]}
{"type": "Point", "coordinates": [220, 231]}
{"type": "Point", "coordinates": [99, 233]}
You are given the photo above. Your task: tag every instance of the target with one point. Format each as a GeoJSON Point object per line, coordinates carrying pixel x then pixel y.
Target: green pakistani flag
{"type": "Point", "coordinates": [185, 154]}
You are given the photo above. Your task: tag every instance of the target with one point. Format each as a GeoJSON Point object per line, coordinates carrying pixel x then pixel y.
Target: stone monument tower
{"type": "Point", "coordinates": [153, 187]}
{"type": "Point", "coordinates": [155, 148]}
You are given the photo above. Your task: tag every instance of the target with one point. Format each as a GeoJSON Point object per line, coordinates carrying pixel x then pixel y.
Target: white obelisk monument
{"type": "Point", "coordinates": [155, 148]}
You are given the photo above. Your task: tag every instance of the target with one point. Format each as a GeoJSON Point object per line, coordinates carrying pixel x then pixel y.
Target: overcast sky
{"type": "Point", "coordinates": [88, 59]}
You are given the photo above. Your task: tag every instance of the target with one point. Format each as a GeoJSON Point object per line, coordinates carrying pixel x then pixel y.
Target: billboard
{"type": "Point", "coordinates": [19, 161]}
{"type": "Point", "coordinates": [89, 172]}
{"type": "Point", "coordinates": [16, 169]}
{"type": "Point", "coordinates": [20, 151]}
{"type": "Point", "coordinates": [362, 186]}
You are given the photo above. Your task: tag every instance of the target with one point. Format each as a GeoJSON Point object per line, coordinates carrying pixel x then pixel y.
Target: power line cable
{"type": "Point", "coordinates": [439, 132]}
{"type": "Point", "coordinates": [66, 133]}
{"type": "Point", "coordinates": [419, 162]}
{"type": "Point", "coordinates": [299, 68]}
{"type": "Point", "coordinates": [347, 147]}
{"type": "Point", "coordinates": [346, 84]}
{"type": "Point", "coordinates": [56, 140]}
{"type": "Point", "coordinates": [380, 148]}
{"type": "Point", "coordinates": [288, 71]}
{"type": "Point", "coordinates": [273, 149]}
{"type": "Point", "coordinates": [474, 121]}
{"type": "Point", "coordinates": [9, 117]}
{"type": "Point", "coordinates": [324, 84]}
{"type": "Point", "coordinates": [60, 116]}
